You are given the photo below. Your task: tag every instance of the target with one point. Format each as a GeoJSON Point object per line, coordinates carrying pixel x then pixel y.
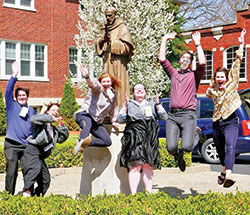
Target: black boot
{"type": "Point", "coordinates": [180, 160]}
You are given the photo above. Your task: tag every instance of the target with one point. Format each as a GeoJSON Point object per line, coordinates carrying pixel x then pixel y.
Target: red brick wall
{"type": "Point", "coordinates": [230, 34]}
{"type": "Point", "coordinates": [54, 24]}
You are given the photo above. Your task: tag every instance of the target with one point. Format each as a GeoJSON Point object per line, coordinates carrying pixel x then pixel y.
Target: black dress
{"type": "Point", "coordinates": [140, 143]}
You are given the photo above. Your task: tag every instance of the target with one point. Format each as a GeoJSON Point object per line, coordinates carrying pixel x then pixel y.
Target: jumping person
{"type": "Point", "coordinates": [223, 90]}
{"type": "Point", "coordinates": [18, 129]}
{"type": "Point", "coordinates": [140, 146]}
{"type": "Point", "coordinates": [41, 143]}
{"type": "Point", "coordinates": [184, 84]}
{"type": "Point", "coordinates": [100, 101]}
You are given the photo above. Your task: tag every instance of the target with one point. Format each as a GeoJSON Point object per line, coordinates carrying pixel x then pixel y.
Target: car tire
{"type": "Point", "coordinates": [209, 153]}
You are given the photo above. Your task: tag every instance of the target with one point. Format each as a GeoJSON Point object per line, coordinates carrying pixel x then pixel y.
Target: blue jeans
{"type": "Point", "coordinates": [89, 125]}
{"type": "Point", "coordinates": [181, 124]}
{"type": "Point", "coordinates": [225, 135]}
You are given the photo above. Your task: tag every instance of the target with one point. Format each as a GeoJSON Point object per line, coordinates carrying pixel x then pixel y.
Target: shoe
{"type": "Point", "coordinates": [26, 193]}
{"type": "Point", "coordinates": [229, 181]}
{"type": "Point", "coordinates": [181, 161]}
{"type": "Point", "coordinates": [20, 193]}
{"type": "Point", "coordinates": [81, 145]}
{"type": "Point", "coordinates": [221, 178]}
{"type": "Point", "coordinates": [201, 135]}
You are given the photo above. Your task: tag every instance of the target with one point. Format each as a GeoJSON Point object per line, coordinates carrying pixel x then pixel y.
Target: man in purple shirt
{"type": "Point", "coordinates": [18, 128]}
{"type": "Point", "coordinates": [184, 84]}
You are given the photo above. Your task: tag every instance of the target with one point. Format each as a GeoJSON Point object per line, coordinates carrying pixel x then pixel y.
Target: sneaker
{"type": "Point", "coordinates": [26, 193]}
{"type": "Point", "coordinates": [81, 145]}
{"type": "Point", "coordinates": [181, 161]}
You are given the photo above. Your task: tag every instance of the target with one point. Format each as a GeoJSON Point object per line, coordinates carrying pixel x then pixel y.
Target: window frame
{"type": "Point", "coordinates": [245, 59]}
{"type": "Point", "coordinates": [32, 76]}
{"type": "Point", "coordinates": [17, 5]}
{"type": "Point", "coordinates": [79, 57]}
{"type": "Point", "coordinates": [212, 65]}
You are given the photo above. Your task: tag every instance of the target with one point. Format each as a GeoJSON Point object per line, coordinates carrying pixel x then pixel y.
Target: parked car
{"type": "Point", "coordinates": [204, 110]}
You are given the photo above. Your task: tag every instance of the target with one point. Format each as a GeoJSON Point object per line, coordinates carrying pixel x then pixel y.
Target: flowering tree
{"type": "Point", "coordinates": [147, 20]}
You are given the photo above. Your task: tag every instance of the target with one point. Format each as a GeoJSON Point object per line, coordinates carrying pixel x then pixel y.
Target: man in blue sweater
{"type": "Point", "coordinates": [18, 128]}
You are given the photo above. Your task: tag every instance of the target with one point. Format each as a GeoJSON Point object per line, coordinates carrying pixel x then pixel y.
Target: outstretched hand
{"type": "Point", "coordinates": [157, 100]}
{"type": "Point", "coordinates": [84, 70]}
{"type": "Point", "coordinates": [15, 69]}
{"type": "Point", "coordinates": [196, 38]}
{"type": "Point", "coordinates": [61, 123]}
{"type": "Point", "coordinates": [169, 36]}
{"type": "Point", "coordinates": [242, 35]}
{"type": "Point", "coordinates": [126, 100]}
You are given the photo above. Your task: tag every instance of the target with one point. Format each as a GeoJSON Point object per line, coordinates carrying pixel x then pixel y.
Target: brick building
{"type": "Point", "coordinates": [40, 35]}
{"type": "Point", "coordinates": [220, 43]}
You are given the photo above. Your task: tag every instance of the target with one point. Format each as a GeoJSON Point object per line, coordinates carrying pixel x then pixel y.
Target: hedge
{"type": "Point", "coordinates": [140, 203]}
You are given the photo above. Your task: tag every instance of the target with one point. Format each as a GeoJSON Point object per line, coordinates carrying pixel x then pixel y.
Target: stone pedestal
{"type": "Point", "coordinates": [101, 171]}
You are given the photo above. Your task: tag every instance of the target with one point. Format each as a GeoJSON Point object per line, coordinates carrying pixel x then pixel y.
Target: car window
{"type": "Point", "coordinates": [166, 106]}
{"type": "Point", "coordinates": [206, 108]}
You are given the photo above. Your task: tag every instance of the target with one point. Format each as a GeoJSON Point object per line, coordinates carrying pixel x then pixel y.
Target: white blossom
{"type": "Point", "coordinates": [147, 21]}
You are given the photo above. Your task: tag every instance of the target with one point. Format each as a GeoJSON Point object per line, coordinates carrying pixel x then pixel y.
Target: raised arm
{"type": "Point", "coordinates": [85, 73]}
{"type": "Point", "coordinates": [233, 76]}
{"type": "Point", "coordinates": [197, 40]}
{"type": "Point", "coordinates": [241, 38]}
{"type": "Point", "coordinates": [41, 119]}
{"type": "Point", "coordinates": [11, 84]}
{"type": "Point", "coordinates": [168, 36]}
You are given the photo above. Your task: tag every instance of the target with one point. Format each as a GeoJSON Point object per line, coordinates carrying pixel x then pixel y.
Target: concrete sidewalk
{"type": "Point", "coordinates": [195, 180]}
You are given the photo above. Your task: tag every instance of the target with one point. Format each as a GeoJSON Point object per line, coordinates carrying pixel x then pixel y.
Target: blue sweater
{"type": "Point", "coordinates": [18, 128]}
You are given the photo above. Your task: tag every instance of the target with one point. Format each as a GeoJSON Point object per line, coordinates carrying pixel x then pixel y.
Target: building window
{"type": "Point", "coordinates": [39, 53]}
{"type": "Point", "coordinates": [25, 60]}
{"type": "Point", "coordinates": [20, 4]}
{"type": "Point", "coordinates": [10, 57]}
{"type": "Point", "coordinates": [229, 58]}
{"type": "Point", "coordinates": [72, 59]}
{"type": "Point", "coordinates": [75, 55]}
{"type": "Point", "coordinates": [32, 59]}
{"type": "Point", "coordinates": [208, 68]}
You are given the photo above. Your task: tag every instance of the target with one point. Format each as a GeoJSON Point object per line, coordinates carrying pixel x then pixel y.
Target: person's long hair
{"type": "Point", "coordinates": [115, 82]}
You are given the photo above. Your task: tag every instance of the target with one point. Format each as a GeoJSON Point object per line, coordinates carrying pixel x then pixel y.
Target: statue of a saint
{"type": "Point", "coordinates": [116, 48]}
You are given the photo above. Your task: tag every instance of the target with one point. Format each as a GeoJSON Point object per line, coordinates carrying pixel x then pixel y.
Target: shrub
{"type": "Point", "coordinates": [140, 203]}
{"type": "Point", "coordinates": [3, 122]}
{"type": "Point", "coordinates": [69, 105]}
{"type": "Point", "coordinates": [167, 160]}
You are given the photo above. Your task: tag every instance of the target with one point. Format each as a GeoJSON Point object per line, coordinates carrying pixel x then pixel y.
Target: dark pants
{"type": "Point", "coordinates": [35, 170]}
{"type": "Point", "coordinates": [225, 135]}
{"type": "Point", "coordinates": [89, 125]}
{"type": "Point", "coordinates": [13, 152]}
{"type": "Point", "coordinates": [181, 124]}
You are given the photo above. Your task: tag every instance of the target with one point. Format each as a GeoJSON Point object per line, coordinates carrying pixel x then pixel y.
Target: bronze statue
{"type": "Point", "coordinates": [116, 48]}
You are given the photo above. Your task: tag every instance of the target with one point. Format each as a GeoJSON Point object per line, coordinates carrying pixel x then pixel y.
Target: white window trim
{"type": "Point", "coordinates": [225, 62]}
{"type": "Point", "coordinates": [79, 57]}
{"type": "Point", "coordinates": [32, 76]}
{"type": "Point", "coordinates": [18, 5]}
{"type": "Point", "coordinates": [194, 67]}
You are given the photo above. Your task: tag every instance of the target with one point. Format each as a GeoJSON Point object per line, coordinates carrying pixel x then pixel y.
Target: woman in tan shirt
{"type": "Point", "coordinates": [224, 92]}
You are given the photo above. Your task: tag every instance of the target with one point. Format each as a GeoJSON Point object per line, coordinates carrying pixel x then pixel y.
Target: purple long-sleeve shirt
{"type": "Point", "coordinates": [18, 128]}
{"type": "Point", "coordinates": [183, 85]}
